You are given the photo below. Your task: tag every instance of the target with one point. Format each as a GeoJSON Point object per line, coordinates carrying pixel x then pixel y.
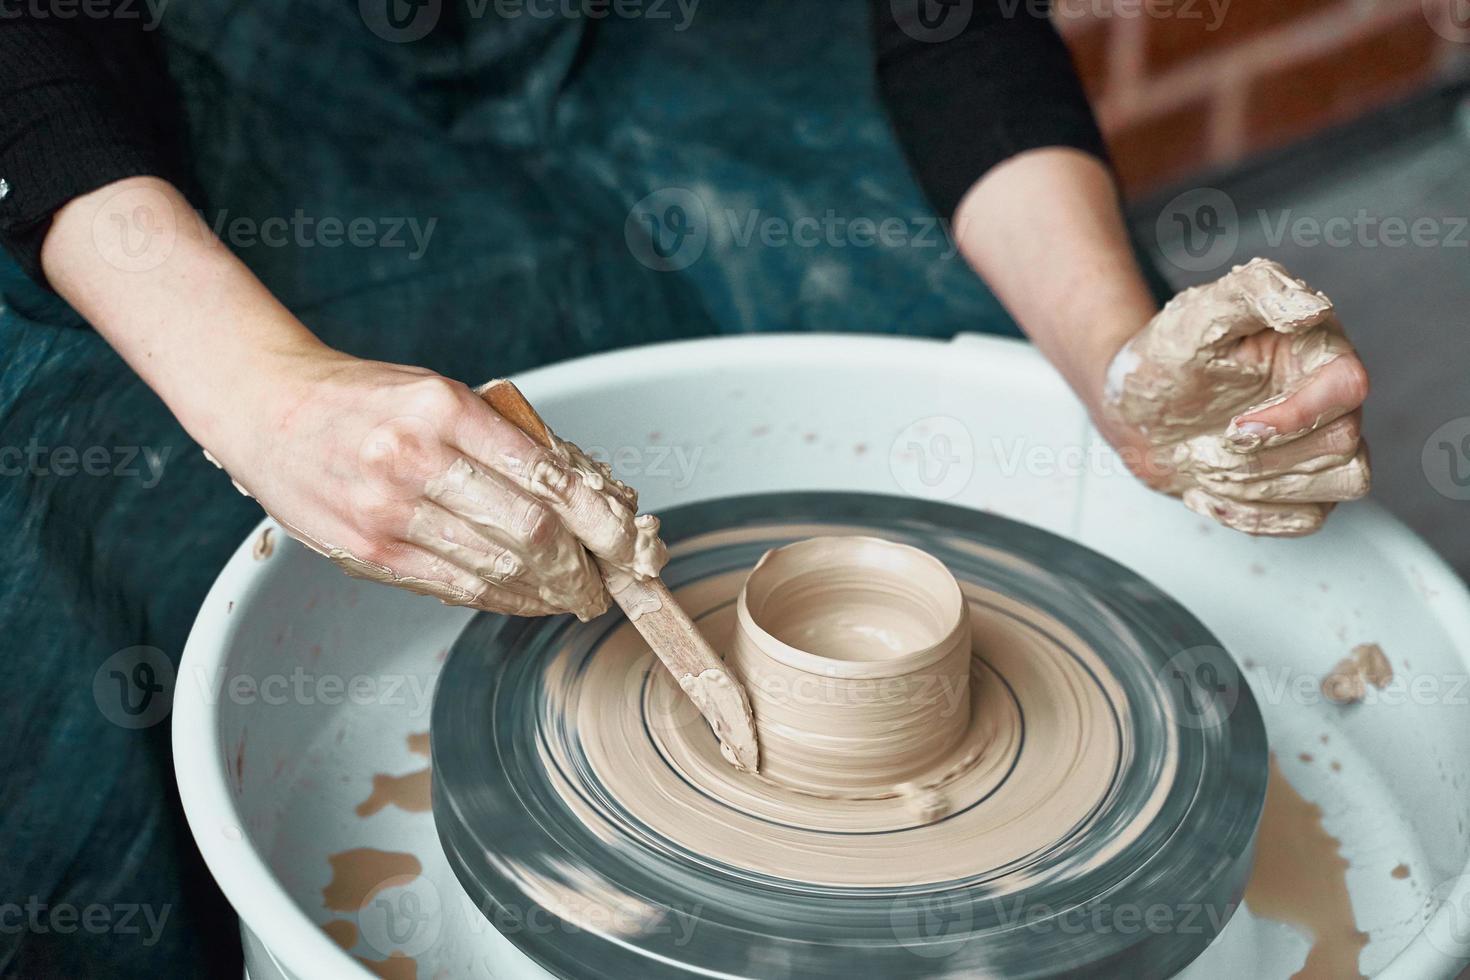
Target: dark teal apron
{"type": "Point", "coordinates": [500, 192]}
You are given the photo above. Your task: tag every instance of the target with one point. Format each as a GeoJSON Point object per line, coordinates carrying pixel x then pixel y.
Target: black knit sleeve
{"type": "Point", "coordinates": [84, 101]}
{"type": "Point", "coordinates": [970, 83]}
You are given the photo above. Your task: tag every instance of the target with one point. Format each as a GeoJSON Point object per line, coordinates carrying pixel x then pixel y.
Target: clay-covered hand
{"type": "Point", "coordinates": [405, 477]}
{"type": "Point", "coordinates": [1243, 397]}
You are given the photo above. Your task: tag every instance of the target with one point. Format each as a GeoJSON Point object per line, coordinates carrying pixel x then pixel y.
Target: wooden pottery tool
{"type": "Point", "coordinates": [656, 615]}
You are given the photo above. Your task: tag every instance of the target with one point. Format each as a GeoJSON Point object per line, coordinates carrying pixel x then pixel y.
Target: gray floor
{"type": "Point", "coordinates": [1406, 306]}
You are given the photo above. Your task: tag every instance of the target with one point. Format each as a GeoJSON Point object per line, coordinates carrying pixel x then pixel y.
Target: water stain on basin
{"type": "Point", "coordinates": [1300, 879]}
{"type": "Point", "coordinates": [360, 873]}
{"type": "Point", "coordinates": [408, 792]}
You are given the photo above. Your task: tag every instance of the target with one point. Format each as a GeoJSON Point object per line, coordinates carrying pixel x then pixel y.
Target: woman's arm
{"type": "Point", "coordinates": [84, 102]}
{"type": "Point", "coordinates": [1044, 229]}
{"type": "Point", "coordinates": [1243, 398]}
{"type": "Point", "coordinates": [395, 473]}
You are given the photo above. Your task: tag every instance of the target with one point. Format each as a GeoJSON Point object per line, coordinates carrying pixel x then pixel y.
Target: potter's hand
{"type": "Point", "coordinates": [1243, 397]}
{"type": "Point", "coordinates": [405, 477]}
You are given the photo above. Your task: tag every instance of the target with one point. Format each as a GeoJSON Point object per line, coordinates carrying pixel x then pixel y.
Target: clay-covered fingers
{"type": "Point", "coordinates": [1257, 296]}
{"type": "Point", "coordinates": [415, 569]}
{"type": "Point", "coordinates": [517, 556]}
{"type": "Point", "coordinates": [1271, 297]}
{"type": "Point", "coordinates": [1328, 465]}
{"type": "Point", "coordinates": [480, 518]}
{"type": "Point", "coordinates": [1266, 519]}
{"type": "Point", "coordinates": [599, 511]}
{"type": "Point", "coordinates": [1329, 391]}
{"type": "Point", "coordinates": [1333, 484]}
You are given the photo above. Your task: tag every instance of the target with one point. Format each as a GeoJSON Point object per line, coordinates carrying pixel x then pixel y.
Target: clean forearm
{"type": "Point", "coordinates": [1044, 229]}
{"type": "Point", "coordinates": [180, 308]}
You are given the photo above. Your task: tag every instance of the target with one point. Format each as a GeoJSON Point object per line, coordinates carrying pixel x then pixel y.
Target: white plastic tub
{"type": "Point", "coordinates": [299, 684]}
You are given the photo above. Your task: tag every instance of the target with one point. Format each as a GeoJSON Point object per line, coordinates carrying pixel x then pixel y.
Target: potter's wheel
{"type": "Point", "coordinates": [1144, 872]}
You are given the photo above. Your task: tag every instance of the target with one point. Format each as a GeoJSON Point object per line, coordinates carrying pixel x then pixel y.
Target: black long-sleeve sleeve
{"type": "Point", "coordinates": [971, 83]}
{"type": "Point", "coordinates": [84, 101]}
{"type": "Point", "coordinates": [967, 83]}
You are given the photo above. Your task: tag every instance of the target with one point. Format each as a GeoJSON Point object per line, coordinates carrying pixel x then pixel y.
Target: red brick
{"type": "Point", "coordinates": [1164, 147]}
{"type": "Point", "coordinates": [1299, 98]}
{"type": "Point", "coordinates": [1186, 29]}
{"type": "Point", "coordinates": [1089, 47]}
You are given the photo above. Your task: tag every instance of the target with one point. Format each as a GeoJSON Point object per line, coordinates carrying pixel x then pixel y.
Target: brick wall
{"type": "Point", "coordinates": [1184, 85]}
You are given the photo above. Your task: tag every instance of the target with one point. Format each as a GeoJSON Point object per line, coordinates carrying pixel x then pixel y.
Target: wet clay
{"type": "Point", "coordinates": [855, 654]}
{"type": "Point", "coordinates": [1347, 683]}
{"type": "Point", "coordinates": [360, 873]}
{"type": "Point", "coordinates": [493, 549]}
{"type": "Point", "coordinates": [1012, 738]}
{"type": "Point", "coordinates": [408, 792]}
{"type": "Point", "coordinates": [1182, 383]}
{"type": "Point", "coordinates": [395, 967]}
{"type": "Point", "coordinates": [1300, 878]}
{"type": "Point", "coordinates": [342, 932]}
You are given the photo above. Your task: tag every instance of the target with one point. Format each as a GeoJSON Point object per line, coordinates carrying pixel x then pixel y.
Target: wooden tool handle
{"type": "Point", "coordinates": [511, 405]}
{"type": "Point", "coordinates": [654, 612]}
